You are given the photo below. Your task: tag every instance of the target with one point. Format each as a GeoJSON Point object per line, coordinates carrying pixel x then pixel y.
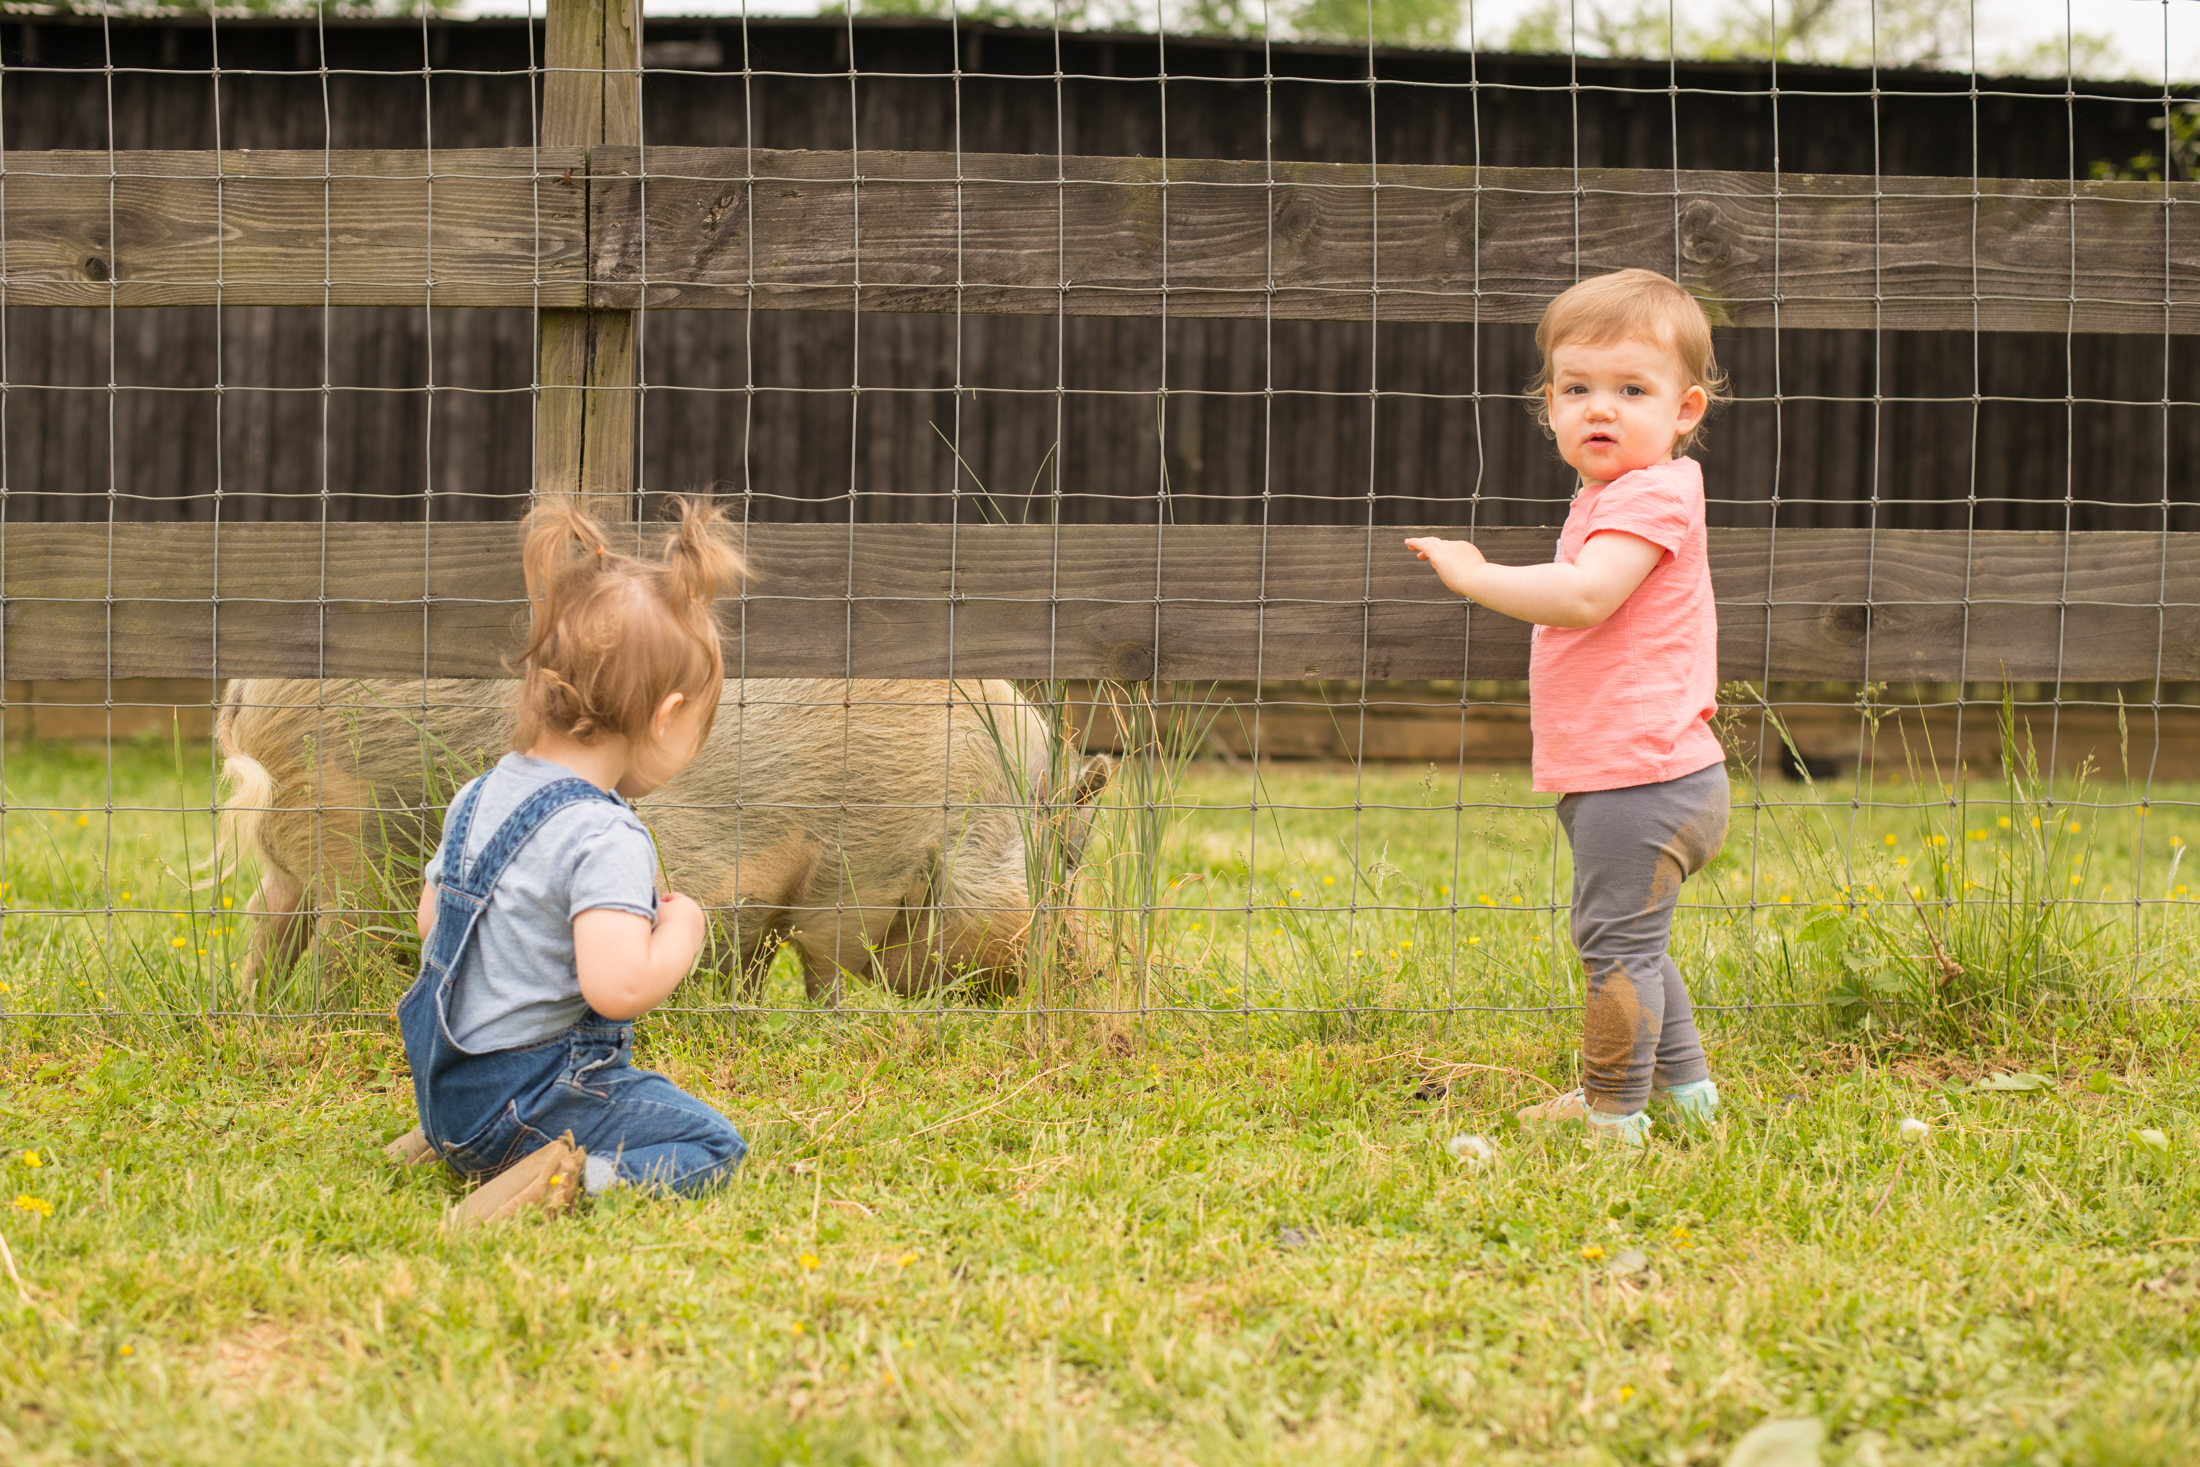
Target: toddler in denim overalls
{"type": "Point", "coordinates": [543, 933]}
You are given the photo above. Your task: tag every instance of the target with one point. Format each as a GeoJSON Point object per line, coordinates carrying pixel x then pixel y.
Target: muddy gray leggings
{"type": "Point", "coordinates": [1632, 850]}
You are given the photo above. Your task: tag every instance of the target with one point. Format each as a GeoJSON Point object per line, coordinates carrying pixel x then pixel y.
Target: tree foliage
{"type": "Point", "coordinates": [148, 9]}
{"type": "Point", "coordinates": [1944, 34]}
{"type": "Point", "coordinates": [1934, 34]}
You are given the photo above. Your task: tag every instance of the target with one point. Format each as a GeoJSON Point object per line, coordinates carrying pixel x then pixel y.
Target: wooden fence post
{"type": "Point", "coordinates": [585, 362]}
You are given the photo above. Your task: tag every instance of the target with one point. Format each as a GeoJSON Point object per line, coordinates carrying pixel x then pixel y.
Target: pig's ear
{"type": "Point", "coordinates": [1092, 779]}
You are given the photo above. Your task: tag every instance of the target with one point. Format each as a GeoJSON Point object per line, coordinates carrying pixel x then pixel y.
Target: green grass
{"type": "Point", "coordinates": [1307, 903]}
{"type": "Point", "coordinates": [957, 1252]}
{"type": "Point", "coordinates": [1227, 1235]}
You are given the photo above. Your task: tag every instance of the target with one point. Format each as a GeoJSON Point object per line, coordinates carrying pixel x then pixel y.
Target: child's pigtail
{"type": "Point", "coordinates": [562, 551]}
{"type": "Point", "coordinates": [699, 559]}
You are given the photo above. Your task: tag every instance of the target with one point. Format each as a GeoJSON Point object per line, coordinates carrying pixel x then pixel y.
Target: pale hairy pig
{"type": "Point", "coordinates": [894, 830]}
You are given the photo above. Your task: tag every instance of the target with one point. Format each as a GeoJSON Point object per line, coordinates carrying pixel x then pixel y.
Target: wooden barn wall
{"type": "Point", "coordinates": [1299, 422]}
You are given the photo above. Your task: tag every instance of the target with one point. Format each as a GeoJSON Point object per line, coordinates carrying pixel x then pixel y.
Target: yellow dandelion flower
{"type": "Point", "coordinates": [228, 902]}
{"type": "Point", "coordinates": [83, 819]}
{"type": "Point", "coordinates": [2074, 827]}
{"type": "Point", "coordinates": [27, 1203]}
{"type": "Point", "coordinates": [1890, 840]}
{"type": "Point", "coordinates": [1785, 898]}
{"type": "Point", "coordinates": [905, 1260]}
{"type": "Point", "coordinates": [1626, 1394]}
{"type": "Point", "coordinates": [1592, 1252]}
{"type": "Point", "coordinates": [179, 942]}
{"type": "Point", "coordinates": [1407, 942]}
{"type": "Point", "coordinates": [1296, 893]}
{"type": "Point", "coordinates": [1474, 942]}
{"type": "Point", "coordinates": [125, 896]}
{"type": "Point", "coordinates": [809, 1262]}
{"type": "Point", "coordinates": [2003, 822]}
{"type": "Point", "coordinates": [127, 1350]}
{"type": "Point", "coordinates": [1329, 881]}
{"type": "Point", "coordinates": [32, 1158]}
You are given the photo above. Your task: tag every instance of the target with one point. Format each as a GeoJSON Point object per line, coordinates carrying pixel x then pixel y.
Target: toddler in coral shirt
{"type": "Point", "coordinates": [1623, 679]}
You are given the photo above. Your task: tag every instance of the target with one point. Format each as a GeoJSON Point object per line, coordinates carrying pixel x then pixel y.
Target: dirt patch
{"type": "Point", "coordinates": [257, 1361]}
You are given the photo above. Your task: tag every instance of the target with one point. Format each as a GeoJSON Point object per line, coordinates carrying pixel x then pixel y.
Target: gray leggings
{"type": "Point", "coordinates": [1632, 850]}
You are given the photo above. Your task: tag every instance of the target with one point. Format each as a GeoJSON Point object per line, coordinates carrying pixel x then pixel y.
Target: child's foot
{"type": "Point", "coordinates": [1630, 1130]}
{"type": "Point", "coordinates": [1697, 1101]}
{"type": "Point", "coordinates": [410, 1149]}
{"type": "Point", "coordinates": [547, 1180]}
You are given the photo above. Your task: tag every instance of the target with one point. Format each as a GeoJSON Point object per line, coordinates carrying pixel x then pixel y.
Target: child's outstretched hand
{"type": "Point", "coordinates": [680, 918]}
{"type": "Point", "coordinates": [1455, 560]}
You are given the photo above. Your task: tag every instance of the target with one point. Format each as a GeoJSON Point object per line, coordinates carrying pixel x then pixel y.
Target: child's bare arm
{"type": "Point", "coordinates": [424, 919]}
{"type": "Point", "coordinates": [1554, 594]}
{"type": "Point", "coordinates": [627, 967]}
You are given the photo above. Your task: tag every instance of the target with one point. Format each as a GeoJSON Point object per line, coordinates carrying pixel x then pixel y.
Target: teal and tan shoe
{"type": "Point", "coordinates": [1629, 1130]}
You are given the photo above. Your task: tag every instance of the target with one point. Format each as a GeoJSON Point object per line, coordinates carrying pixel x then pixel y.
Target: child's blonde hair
{"type": "Point", "coordinates": [1631, 305]}
{"type": "Point", "coordinates": [615, 635]}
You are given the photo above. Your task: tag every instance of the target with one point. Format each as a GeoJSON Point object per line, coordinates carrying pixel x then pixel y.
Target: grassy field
{"type": "Point", "coordinates": [1230, 1231]}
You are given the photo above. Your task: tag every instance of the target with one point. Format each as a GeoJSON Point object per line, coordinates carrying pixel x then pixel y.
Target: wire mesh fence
{"type": "Point", "coordinates": [1076, 392]}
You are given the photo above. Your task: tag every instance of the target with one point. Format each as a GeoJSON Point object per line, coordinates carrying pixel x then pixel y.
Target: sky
{"type": "Point", "coordinates": [2135, 27]}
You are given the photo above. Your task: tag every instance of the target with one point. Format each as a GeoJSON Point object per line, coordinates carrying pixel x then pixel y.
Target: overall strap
{"type": "Point", "coordinates": [458, 823]}
{"type": "Point", "coordinates": [480, 875]}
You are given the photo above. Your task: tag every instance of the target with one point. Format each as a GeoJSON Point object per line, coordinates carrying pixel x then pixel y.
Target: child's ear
{"type": "Point", "coordinates": [1693, 403]}
{"type": "Point", "coordinates": [662, 722]}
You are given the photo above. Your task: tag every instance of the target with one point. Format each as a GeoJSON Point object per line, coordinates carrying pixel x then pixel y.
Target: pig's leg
{"type": "Point", "coordinates": [282, 929]}
{"type": "Point", "coordinates": [750, 947]}
{"type": "Point", "coordinates": [908, 953]}
{"type": "Point", "coordinates": [757, 902]}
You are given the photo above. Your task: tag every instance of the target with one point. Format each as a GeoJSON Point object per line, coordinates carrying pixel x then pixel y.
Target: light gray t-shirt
{"type": "Point", "coordinates": [517, 982]}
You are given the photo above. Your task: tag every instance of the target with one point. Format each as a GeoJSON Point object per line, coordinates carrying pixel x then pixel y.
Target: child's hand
{"type": "Point", "coordinates": [680, 921]}
{"type": "Point", "coordinates": [1455, 560]}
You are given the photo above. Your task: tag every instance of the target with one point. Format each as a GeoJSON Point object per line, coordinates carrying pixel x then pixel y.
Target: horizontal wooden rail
{"type": "Point", "coordinates": [459, 227]}
{"type": "Point", "coordinates": [1036, 234]}
{"type": "Point", "coordinates": [1178, 602]}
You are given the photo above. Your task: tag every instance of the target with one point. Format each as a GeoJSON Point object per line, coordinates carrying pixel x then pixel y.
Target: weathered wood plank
{"type": "Point", "coordinates": [1180, 602]}
{"type": "Point", "coordinates": [1028, 234]}
{"type": "Point", "coordinates": [456, 227]}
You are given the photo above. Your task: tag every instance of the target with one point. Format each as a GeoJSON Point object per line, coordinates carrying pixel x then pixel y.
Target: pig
{"type": "Point", "coordinates": [912, 833]}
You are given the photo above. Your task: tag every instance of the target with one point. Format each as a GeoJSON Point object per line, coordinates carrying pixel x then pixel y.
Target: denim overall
{"type": "Point", "coordinates": [484, 1111]}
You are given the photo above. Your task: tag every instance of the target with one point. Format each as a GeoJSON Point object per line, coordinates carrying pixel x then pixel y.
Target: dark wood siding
{"type": "Point", "coordinates": [284, 413]}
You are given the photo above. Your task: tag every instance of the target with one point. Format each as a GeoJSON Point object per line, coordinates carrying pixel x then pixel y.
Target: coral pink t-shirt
{"type": "Point", "coordinates": [1629, 701]}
